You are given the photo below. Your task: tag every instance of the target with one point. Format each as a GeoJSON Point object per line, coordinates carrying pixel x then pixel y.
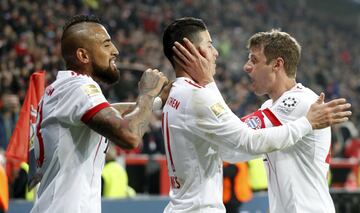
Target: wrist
{"type": "Point", "coordinates": [310, 123]}
{"type": "Point", "coordinates": [206, 82]}
{"type": "Point", "coordinates": [145, 100]}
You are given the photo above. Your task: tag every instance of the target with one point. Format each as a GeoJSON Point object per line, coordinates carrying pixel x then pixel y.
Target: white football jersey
{"type": "Point", "coordinates": [199, 132]}
{"type": "Point", "coordinates": [70, 156]}
{"type": "Point", "coordinates": [297, 176]}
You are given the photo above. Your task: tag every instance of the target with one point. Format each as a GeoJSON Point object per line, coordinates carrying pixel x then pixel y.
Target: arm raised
{"type": "Point", "coordinates": [126, 131]}
{"type": "Point", "coordinates": [195, 62]}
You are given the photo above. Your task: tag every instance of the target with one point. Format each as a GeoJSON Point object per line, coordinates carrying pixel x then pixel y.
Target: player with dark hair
{"type": "Point", "coordinates": [75, 122]}
{"type": "Point", "coordinates": [200, 130]}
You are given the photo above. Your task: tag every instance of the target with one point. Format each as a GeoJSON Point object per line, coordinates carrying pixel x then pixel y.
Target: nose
{"type": "Point", "coordinates": [247, 67]}
{"type": "Point", "coordinates": [115, 51]}
{"type": "Point", "coordinates": [216, 53]}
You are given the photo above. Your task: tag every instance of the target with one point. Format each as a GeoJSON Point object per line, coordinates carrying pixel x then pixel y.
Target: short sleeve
{"type": "Point", "coordinates": [80, 103]}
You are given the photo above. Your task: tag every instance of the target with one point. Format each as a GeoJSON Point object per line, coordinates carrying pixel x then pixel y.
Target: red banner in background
{"type": "Point", "coordinates": [18, 147]}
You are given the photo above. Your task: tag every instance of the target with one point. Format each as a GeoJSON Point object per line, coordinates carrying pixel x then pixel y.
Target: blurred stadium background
{"type": "Point", "coordinates": [328, 30]}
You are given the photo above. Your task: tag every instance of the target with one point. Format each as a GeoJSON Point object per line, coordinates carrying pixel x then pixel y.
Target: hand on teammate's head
{"type": "Point", "coordinates": [194, 61]}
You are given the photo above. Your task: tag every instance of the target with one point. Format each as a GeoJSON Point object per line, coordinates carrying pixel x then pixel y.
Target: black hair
{"type": "Point", "coordinates": [188, 27]}
{"type": "Point", "coordinates": [69, 45]}
{"type": "Point", "coordinates": [79, 19]}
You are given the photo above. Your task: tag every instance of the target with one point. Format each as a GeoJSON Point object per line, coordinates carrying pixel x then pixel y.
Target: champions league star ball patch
{"type": "Point", "coordinates": [253, 122]}
{"type": "Point", "coordinates": [290, 102]}
{"type": "Point", "coordinates": [287, 105]}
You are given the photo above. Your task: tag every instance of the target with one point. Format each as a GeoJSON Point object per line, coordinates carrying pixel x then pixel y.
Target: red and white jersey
{"type": "Point", "coordinates": [199, 132]}
{"type": "Point", "coordinates": [70, 156]}
{"type": "Point", "coordinates": [297, 180]}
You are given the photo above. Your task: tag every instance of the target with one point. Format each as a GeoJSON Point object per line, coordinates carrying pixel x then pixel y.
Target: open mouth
{"type": "Point", "coordinates": [248, 79]}
{"type": "Point", "coordinates": [113, 62]}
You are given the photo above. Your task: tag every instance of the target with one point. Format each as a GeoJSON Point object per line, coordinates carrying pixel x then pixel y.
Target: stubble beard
{"type": "Point", "coordinates": [110, 75]}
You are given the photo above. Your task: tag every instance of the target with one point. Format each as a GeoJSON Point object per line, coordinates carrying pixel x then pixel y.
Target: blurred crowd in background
{"type": "Point", "coordinates": [31, 30]}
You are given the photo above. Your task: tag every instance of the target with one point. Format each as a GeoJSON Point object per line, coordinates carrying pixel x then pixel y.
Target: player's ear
{"type": "Point", "coordinates": [82, 55]}
{"type": "Point", "coordinates": [278, 63]}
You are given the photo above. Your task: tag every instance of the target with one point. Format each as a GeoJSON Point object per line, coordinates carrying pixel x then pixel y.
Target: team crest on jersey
{"type": "Point", "coordinates": [287, 105]}
{"type": "Point", "coordinates": [253, 122]}
{"type": "Point", "coordinates": [90, 89]}
{"type": "Point", "coordinates": [218, 109]}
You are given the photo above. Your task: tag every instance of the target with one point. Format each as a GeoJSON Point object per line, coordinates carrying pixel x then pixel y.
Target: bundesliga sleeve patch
{"type": "Point", "coordinates": [218, 109]}
{"type": "Point", "coordinates": [287, 105]}
{"type": "Point", "coordinates": [90, 89]}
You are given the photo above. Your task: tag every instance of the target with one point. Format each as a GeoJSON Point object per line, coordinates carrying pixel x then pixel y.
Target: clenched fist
{"type": "Point", "coordinates": [152, 82]}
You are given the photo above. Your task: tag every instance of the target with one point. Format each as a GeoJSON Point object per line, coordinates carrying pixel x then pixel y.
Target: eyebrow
{"type": "Point", "coordinates": [107, 40]}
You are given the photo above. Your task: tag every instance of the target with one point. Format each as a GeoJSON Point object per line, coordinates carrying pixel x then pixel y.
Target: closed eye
{"type": "Point", "coordinates": [107, 43]}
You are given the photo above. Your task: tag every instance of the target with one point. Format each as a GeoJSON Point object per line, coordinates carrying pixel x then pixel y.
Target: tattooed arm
{"type": "Point", "coordinates": [127, 131]}
{"type": "Point", "coordinates": [124, 107]}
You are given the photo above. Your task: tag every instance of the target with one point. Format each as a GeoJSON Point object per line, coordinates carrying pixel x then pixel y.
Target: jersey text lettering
{"type": "Point", "coordinates": [173, 103]}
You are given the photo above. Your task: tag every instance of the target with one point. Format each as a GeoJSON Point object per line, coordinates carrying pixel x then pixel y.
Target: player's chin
{"type": "Point", "coordinates": [110, 76]}
{"type": "Point", "coordinates": [115, 76]}
{"type": "Point", "coordinates": [213, 70]}
{"type": "Point", "coordinates": [258, 92]}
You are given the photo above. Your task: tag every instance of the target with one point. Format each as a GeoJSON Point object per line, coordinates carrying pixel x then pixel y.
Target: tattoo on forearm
{"type": "Point", "coordinates": [139, 127]}
{"type": "Point", "coordinates": [100, 120]}
{"type": "Point", "coordinates": [140, 117]}
{"type": "Point", "coordinates": [109, 123]}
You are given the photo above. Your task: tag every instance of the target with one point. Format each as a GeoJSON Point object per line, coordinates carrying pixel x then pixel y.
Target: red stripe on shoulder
{"type": "Point", "coordinates": [273, 119]}
{"type": "Point", "coordinates": [193, 83]}
{"type": "Point", "coordinates": [91, 112]}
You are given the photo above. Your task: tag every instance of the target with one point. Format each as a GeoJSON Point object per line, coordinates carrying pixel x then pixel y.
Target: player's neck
{"type": "Point", "coordinates": [85, 71]}
{"type": "Point", "coordinates": [182, 73]}
{"type": "Point", "coordinates": [80, 70]}
{"type": "Point", "coordinates": [281, 88]}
